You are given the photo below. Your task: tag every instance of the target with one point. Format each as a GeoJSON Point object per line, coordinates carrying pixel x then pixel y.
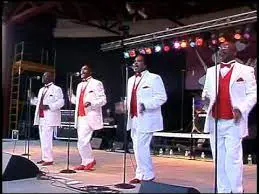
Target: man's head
{"type": "Point", "coordinates": [227, 52]}
{"type": "Point", "coordinates": [139, 64]}
{"type": "Point", "coordinates": [47, 77]}
{"type": "Point", "coordinates": [86, 71]}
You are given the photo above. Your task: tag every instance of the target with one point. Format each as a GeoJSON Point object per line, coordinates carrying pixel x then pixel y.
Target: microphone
{"type": "Point", "coordinates": [35, 77]}
{"type": "Point", "coordinates": [75, 74]}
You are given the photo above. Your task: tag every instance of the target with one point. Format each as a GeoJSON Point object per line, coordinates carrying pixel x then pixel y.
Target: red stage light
{"type": "Point", "coordinates": [166, 48]}
{"type": "Point", "coordinates": [199, 41]}
{"type": "Point", "coordinates": [132, 53]}
{"type": "Point", "coordinates": [237, 34]}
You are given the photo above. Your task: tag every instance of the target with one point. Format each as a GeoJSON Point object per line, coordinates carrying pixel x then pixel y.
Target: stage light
{"type": "Point", "coordinates": [184, 44]}
{"type": "Point", "coordinates": [199, 41]}
{"type": "Point", "coordinates": [192, 43]}
{"type": "Point", "coordinates": [177, 45]}
{"type": "Point", "coordinates": [237, 35]}
{"type": "Point", "coordinates": [126, 55]}
{"type": "Point", "coordinates": [214, 39]}
{"type": "Point", "coordinates": [142, 51]}
{"type": "Point", "coordinates": [166, 48]}
{"type": "Point", "coordinates": [221, 38]}
{"type": "Point", "coordinates": [132, 53]}
{"type": "Point", "coordinates": [157, 48]}
{"type": "Point", "coordinates": [246, 34]}
{"type": "Point", "coordinates": [148, 50]}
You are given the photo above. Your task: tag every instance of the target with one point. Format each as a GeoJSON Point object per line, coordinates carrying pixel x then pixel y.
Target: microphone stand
{"type": "Point", "coordinates": [28, 121]}
{"type": "Point", "coordinates": [124, 185]}
{"type": "Point", "coordinates": [216, 119]}
{"type": "Point", "coordinates": [67, 170]}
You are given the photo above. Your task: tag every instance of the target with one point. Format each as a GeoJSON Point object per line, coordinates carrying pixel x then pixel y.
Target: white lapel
{"type": "Point", "coordinates": [213, 77]}
{"type": "Point", "coordinates": [143, 80]}
{"type": "Point", "coordinates": [235, 73]}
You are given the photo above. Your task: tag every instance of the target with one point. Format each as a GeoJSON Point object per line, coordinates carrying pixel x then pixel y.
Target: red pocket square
{"type": "Point", "coordinates": [240, 79]}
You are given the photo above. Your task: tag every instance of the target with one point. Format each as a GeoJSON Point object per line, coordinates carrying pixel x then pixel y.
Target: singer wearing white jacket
{"type": "Point", "coordinates": [145, 96]}
{"type": "Point", "coordinates": [89, 99]}
{"type": "Point", "coordinates": [236, 88]}
{"type": "Point", "coordinates": [47, 115]}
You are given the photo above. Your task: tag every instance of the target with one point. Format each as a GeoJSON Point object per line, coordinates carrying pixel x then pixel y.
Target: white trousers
{"type": "Point", "coordinates": [84, 133]}
{"type": "Point", "coordinates": [229, 156]}
{"type": "Point", "coordinates": [46, 141]}
{"type": "Point", "coordinates": [141, 146]}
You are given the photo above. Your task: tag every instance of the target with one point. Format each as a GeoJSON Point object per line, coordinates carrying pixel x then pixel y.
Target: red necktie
{"type": "Point", "coordinates": [81, 107]}
{"type": "Point", "coordinates": [41, 111]}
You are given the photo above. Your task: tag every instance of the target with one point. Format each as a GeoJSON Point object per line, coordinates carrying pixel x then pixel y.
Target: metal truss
{"type": "Point", "coordinates": [224, 22]}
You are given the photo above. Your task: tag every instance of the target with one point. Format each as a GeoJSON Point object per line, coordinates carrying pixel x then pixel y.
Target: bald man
{"type": "Point", "coordinates": [47, 115]}
{"type": "Point", "coordinates": [236, 97]}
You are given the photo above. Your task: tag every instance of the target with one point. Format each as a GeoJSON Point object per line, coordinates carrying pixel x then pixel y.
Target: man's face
{"type": "Point", "coordinates": [227, 52]}
{"type": "Point", "coordinates": [85, 72]}
{"type": "Point", "coordinates": [47, 78]}
{"type": "Point", "coordinates": [139, 64]}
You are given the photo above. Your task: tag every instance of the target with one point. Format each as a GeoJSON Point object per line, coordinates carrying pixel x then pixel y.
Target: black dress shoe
{"type": "Point", "coordinates": [40, 162]}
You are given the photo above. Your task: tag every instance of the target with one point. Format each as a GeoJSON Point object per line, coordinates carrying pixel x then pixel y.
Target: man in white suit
{"type": "Point", "coordinates": [47, 115]}
{"type": "Point", "coordinates": [89, 99]}
{"type": "Point", "coordinates": [236, 88]}
{"type": "Point", "coordinates": [145, 96]}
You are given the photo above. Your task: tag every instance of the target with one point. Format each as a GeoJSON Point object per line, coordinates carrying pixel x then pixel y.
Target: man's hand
{"type": "Point", "coordinates": [141, 108]}
{"type": "Point", "coordinates": [237, 115]}
{"type": "Point", "coordinates": [45, 107]}
{"type": "Point", "coordinates": [87, 104]}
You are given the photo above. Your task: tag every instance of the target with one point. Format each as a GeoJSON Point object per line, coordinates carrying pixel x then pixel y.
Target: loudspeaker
{"type": "Point", "coordinates": [154, 187]}
{"type": "Point", "coordinates": [17, 167]}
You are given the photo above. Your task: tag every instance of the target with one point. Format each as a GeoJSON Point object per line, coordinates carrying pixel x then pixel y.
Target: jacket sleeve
{"type": "Point", "coordinates": [251, 93]}
{"type": "Point", "coordinates": [100, 97]}
{"type": "Point", "coordinates": [159, 96]}
{"type": "Point", "coordinates": [59, 103]}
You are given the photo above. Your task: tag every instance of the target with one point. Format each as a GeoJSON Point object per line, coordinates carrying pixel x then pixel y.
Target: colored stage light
{"type": "Point", "coordinates": [247, 33]}
{"type": "Point", "coordinates": [148, 50]}
{"type": "Point", "coordinates": [192, 44]}
{"type": "Point", "coordinates": [183, 44]}
{"type": "Point", "coordinates": [237, 34]}
{"type": "Point", "coordinates": [221, 38]}
{"type": "Point", "coordinates": [126, 55]}
{"type": "Point", "coordinates": [132, 53]}
{"type": "Point", "coordinates": [214, 39]}
{"type": "Point", "coordinates": [142, 51]}
{"type": "Point", "coordinates": [177, 44]}
{"type": "Point", "coordinates": [157, 48]}
{"type": "Point", "coordinates": [166, 48]}
{"type": "Point", "coordinates": [199, 41]}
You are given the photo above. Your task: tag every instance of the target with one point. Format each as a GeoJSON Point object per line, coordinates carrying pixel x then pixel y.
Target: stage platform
{"type": "Point", "coordinates": [109, 171]}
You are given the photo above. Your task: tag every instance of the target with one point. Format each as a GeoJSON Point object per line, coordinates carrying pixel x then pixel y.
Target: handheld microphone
{"type": "Point", "coordinates": [35, 77]}
{"type": "Point", "coordinates": [75, 74]}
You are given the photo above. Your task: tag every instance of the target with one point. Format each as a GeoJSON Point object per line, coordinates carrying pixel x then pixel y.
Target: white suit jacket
{"type": "Point", "coordinates": [94, 94]}
{"type": "Point", "coordinates": [242, 93]}
{"type": "Point", "coordinates": [151, 92]}
{"type": "Point", "coordinates": [55, 99]}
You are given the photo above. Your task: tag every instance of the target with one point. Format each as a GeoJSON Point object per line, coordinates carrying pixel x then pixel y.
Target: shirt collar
{"type": "Point", "coordinates": [87, 79]}
{"type": "Point", "coordinates": [49, 84]}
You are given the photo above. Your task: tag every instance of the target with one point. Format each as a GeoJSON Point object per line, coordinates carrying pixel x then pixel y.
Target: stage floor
{"type": "Point", "coordinates": [109, 170]}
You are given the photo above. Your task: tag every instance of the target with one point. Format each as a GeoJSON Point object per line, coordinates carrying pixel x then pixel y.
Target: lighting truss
{"type": "Point", "coordinates": [224, 22]}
